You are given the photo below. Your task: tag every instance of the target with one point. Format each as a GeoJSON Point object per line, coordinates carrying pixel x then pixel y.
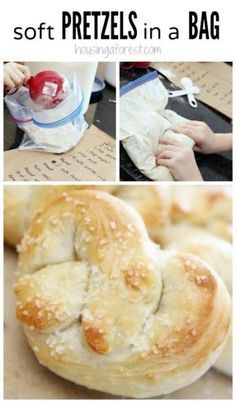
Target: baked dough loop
{"type": "Point", "coordinates": [153, 203]}
{"type": "Point", "coordinates": [208, 206]}
{"type": "Point", "coordinates": [103, 307]}
{"type": "Point", "coordinates": [22, 203]}
{"type": "Point", "coordinates": [143, 122]}
{"type": "Point", "coordinates": [217, 253]}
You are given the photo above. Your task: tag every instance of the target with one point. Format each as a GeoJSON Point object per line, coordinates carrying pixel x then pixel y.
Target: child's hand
{"type": "Point", "coordinates": [15, 75]}
{"type": "Point", "coordinates": [206, 141]}
{"type": "Point", "coordinates": [179, 160]}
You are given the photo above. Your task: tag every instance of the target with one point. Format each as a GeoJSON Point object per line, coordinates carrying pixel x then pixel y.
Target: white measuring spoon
{"type": "Point", "coordinates": [187, 84]}
{"type": "Point", "coordinates": [179, 93]}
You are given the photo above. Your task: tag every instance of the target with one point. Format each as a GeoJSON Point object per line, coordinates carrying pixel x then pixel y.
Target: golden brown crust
{"type": "Point", "coordinates": [40, 314]}
{"type": "Point", "coordinates": [152, 321]}
{"type": "Point", "coordinates": [217, 253]}
{"type": "Point", "coordinates": [96, 338]}
{"type": "Point", "coordinates": [196, 272]}
{"type": "Point", "coordinates": [200, 242]}
{"type": "Point", "coordinates": [137, 277]}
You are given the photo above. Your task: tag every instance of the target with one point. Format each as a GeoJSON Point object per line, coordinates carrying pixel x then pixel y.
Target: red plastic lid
{"type": "Point", "coordinates": [48, 88]}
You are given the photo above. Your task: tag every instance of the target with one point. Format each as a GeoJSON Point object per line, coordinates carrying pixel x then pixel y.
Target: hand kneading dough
{"type": "Point", "coordinates": [218, 254]}
{"type": "Point", "coordinates": [102, 306]}
{"type": "Point", "coordinates": [143, 122]}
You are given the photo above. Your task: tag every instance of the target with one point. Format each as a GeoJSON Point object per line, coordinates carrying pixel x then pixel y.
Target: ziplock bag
{"type": "Point", "coordinates": [51, 130]}
{"type": "Point", "coordinates": [144, 121]}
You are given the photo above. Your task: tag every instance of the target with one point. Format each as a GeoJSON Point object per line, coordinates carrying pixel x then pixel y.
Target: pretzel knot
{"type": "Point", "coordinates": [104, 307]}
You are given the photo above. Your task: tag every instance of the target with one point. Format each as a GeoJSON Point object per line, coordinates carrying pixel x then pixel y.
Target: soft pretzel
{"type": "Point", "coordinates": [153, 204]}
{"type": "Point", "coordinates": [209, 206]}
{"type": "Point", "coordinates": [218, 254]}
{"type": "Point", "coordinates": [215, 251]}
{"type": "Point", "coordinates": [102, 306]}
{"type": "Point", "coordinates": [221, 228]}
{"type": "Point", "coordinates": [16, 212]}
{"type": "Point", "coordinates": [225, 361]}
{"type": "Point", "coordinates": [22, 203]}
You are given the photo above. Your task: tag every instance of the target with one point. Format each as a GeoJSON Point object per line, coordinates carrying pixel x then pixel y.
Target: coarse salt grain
{"type": "Point", "coordinates": [188, 321]}
{"type": "Point", "coordinates": [187, 263]}
{"type": "Point", "coordinates": [102, 242]}
{"type": "Point", "coordinates": [200, 279]}
{"type": "Point", "coordinates": [155, 349]}
{"type": "Point", "coordinates": [66, 214]}
{"type": "Point", "coordinates": [68, 199]}
{"type": "Point", "coordinates": [18, 248]}
{"type": "Point", "coordinates": [25, 313]}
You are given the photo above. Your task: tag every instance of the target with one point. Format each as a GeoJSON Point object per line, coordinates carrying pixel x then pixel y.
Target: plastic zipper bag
{"type": "Point", "coordinates": [50, 130]}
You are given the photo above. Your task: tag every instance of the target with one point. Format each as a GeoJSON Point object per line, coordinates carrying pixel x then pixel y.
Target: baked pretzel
{"type": "Point", "coordinates": [22, 203]}
{"type": "Point", "coordinates": [153, 203]}
{"type": "Point", "coordinates": [208, 206]}
{"type": "Point", "coordinates": [218, 254]}
{"type": "Point", "coordinates": [104, 307]}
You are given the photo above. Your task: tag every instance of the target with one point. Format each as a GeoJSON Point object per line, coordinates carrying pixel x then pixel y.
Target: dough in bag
{"type": "Point", "coordinates": [144, 121]}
